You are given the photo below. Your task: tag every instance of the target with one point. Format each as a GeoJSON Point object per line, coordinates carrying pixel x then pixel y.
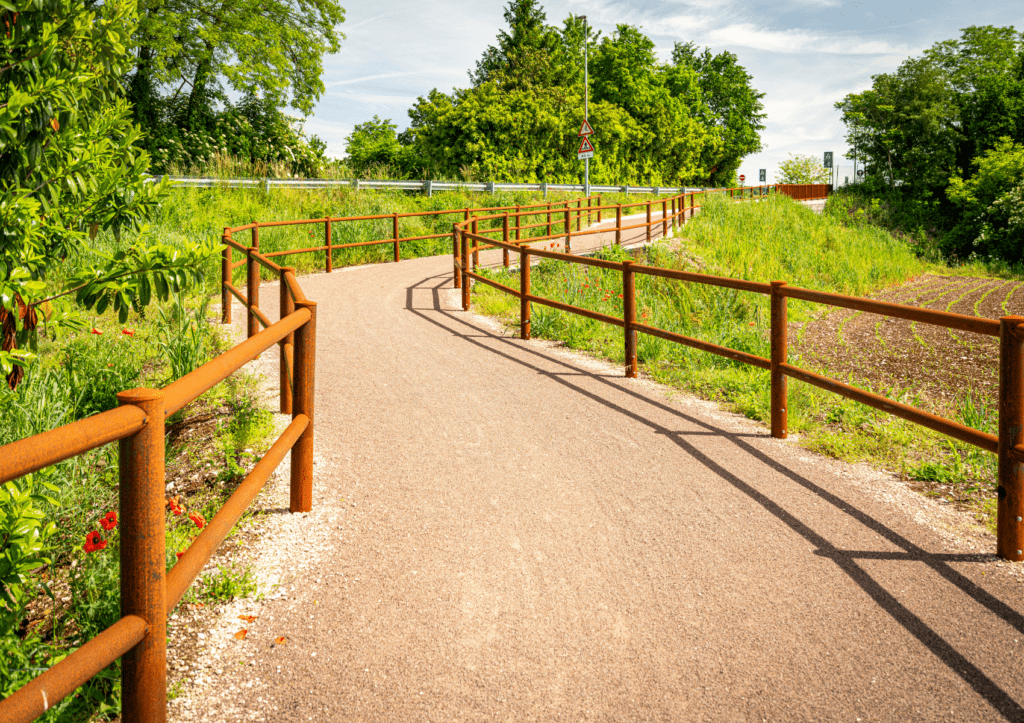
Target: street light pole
{"type": "Point", "coordinates": [586, 107]}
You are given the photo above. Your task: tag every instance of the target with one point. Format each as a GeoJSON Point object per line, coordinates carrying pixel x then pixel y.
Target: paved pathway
{"type": "Point", "coordinates": [519, 534]}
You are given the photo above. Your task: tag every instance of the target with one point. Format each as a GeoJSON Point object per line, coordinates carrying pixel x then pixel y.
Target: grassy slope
{"type": "Point", "coordinates": [774, 240]}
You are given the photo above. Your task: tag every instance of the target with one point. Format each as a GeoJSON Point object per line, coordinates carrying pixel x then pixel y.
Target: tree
{"type": "Point", "coordinates": [802, 169]}
{"type": "Point", "coordinates": [991, 205]}
{"type": "Point", "coordinates": [519, 119]}
{"type": "Point", "coordinates": [729, 104]}
{"type": "Point", "coordinates": [374, 144]}
{"type": "Point", "coordinates": [69, 165]}
{"type": "Point", "coordinates": [189, 52]}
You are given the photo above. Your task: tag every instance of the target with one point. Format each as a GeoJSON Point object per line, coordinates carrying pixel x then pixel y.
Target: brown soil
{"type": "Point", "coordinates": [940, 365]}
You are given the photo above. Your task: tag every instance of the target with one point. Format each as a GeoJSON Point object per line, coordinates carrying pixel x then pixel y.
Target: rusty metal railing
{"type": "Point", "coordinates": [1008, 445]}
{"type": "Point", "coordinates": [148, 592]}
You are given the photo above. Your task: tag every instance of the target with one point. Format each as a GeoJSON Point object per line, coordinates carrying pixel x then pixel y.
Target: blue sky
{"type": "Point", "coordinates": [803, 54]}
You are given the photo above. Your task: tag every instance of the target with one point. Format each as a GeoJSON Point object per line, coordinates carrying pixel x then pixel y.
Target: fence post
{"type": "Point", "coordinates": [287, 345]}
{"type": "Point", "coordinates": [143, 559]}
{"type": "Point", "coordinates": [779, 354]}
{"type": "Point", "coordinates": [693, 200]}
{"type": "Point", "coordinates": [1010, 490]}
{"type": "Point", "coordinates": [398, 254]}
{"type": "Point", "coordinates": [225, 278]}
{"type": "Point", "coordinates": [618, 224]}
{"type": "Point", "coordinates": [664, 217]}
{"type": "Point", "coordinates": [519, 223]}
{"type": "Point", "coordinates": [589, 206]}
{"type": "Point", "coordinates": [456, 268]}
{"type": "Point", "coordinates": [672, 223]}
{"type": "Point", "coordinates": [524, 290]}
{"type": "Point", "coordinates": [302, 403]}
{"type": "Point", "coordinates": [549, 218]}
{"type": "Point", "coordinates": [465, 266]}
{"type": "Point", "coordinates": [579, 213]}
{"type": "Point", "coordinates": [600, 201]}
{"type": "Point", "coordinates": [649, 220]}
{"type": "Point", "coordinates": [629, 316]}
{"type": "Point", "coordinates": [328, 244]}
{"type": "Point", "coordinates": [504, 237]}
{"type": "Point", "coordinates": [252, 294]}
{"type": "Point", "coordinates": [476, 245]}
{"type": "Point", "coordinates": [568, 229]}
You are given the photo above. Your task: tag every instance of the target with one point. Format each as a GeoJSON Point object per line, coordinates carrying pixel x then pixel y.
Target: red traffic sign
{"type": "Point", "coordinates": [742, 178]}
{"type": "Point", "coordinates": [586, 149]}
{"type": "Point", "coordinates": [585, 130]}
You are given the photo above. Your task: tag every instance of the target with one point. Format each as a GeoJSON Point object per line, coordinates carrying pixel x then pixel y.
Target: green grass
{"type": "Point", "coordinates": [776, 239]}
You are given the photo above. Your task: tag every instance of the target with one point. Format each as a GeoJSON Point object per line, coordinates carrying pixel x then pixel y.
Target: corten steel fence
{"type": "Point", "coordinates": [1008, 445]}
{"type": "Point", "coordinates": [148, 592]}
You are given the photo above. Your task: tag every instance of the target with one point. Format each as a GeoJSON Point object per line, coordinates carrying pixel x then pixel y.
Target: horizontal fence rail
{"type": "Point", "coordinates": [469, 239]}
{"type": "Point", "coordinates": [149, 592]}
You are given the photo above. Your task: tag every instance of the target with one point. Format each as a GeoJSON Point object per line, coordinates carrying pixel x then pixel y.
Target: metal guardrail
{"type": "Point", "coordinates": [427, 186]}
{"type": "Point", "coordinates": [148, 593]}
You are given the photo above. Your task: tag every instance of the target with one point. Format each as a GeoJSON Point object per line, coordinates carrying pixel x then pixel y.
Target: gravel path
{"type": "Point", "coordinates": [504, 530]}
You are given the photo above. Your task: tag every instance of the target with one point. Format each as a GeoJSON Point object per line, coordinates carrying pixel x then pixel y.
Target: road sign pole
{"type": "Point", "coordinates": [586, 108]}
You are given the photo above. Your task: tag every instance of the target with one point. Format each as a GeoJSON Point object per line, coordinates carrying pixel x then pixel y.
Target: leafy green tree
{"type": "Point", "coordinates": [802, 169]}
{"type": "Point", "coordinates": [991, 205]}
{"type": "Point", "coordinates": [375, 145]}
{"type": "Point", "coordinates": [519, 119]}
{"type": "Point", "coordinates": [188, 53]}
{"type": "Point", "coordinates": [929, 121]}
{"type": "Point", "coordinates": [729, 104]}
{"type": "Point", "coordinates": [68, 162]}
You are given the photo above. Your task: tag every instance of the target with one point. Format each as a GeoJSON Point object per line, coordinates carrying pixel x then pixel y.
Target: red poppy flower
{"type": "Point", "coordinates": [197, 518]}
{"type": "Point", "coordinates": [109, 521]}
{"type": "Point", "coordinates": [173, 503]}
{"type": "Point", "coordinates": [586, 286]}
{"type": "Point", "coordinates": [620, 296]}
{"type": "Point", "coordinates": [127, 332]}
{"type": "Point", "coordinates": [93, 542]}
{"type": "Point", "coordinates": [179, 554]}
{"type": "Point", "coordinates": [96, 331]}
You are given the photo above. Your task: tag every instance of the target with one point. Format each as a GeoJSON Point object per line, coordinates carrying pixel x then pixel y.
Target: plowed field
{"type": "Point", "coordinates": [942, 365]}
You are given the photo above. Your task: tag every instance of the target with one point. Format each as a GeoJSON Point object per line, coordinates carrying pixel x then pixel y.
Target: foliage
{"type": "Point", "coordinates": [802, 169]}
{"type": "Point", "coordinates": [68, 167]}
{"type": "Point", "coordinates": [183, 339]}
{"type": "Point", "coordinates": [375, 144]}
{"type": "Point", "coordinates": [24, 538]}
{"type": "Point", "coordinates": [690, 121]}
{"type": "Point", "coordinates": [269, 51]}
{"type": "Point", "coordinates": [991, 205]}
{"type": "Point", "coordinates": [930, 122]}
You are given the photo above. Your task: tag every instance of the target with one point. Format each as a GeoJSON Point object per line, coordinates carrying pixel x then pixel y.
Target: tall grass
{"type": "Point", "coordinates": [777, 239]}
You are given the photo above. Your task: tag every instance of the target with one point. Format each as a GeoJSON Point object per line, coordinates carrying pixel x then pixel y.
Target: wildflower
{"type": "Point", "coordinates": [109, 521]}
{"type": "Point", "coordinates": [751, 323]}
{"type": "Point", "coordinates": [96, 331]}
{"type": "Point", "coordinates": [127, 332]}
{"type": "Point", "coordinates": [586, 286]}
{"type": "Point", "coordinates": [620, 296]}
{"type": "Point", "coordinates": [175, 505]}
{"type": "Point", "coordinates": [179, 554]}
{"type": "Point", "coordinates": [93, 542]}
{"type": "Point", "coordinates": [197, 518]}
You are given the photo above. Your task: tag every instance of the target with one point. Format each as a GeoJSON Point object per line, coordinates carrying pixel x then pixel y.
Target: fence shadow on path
{"type": "Point", "coordinates": [847, 560]}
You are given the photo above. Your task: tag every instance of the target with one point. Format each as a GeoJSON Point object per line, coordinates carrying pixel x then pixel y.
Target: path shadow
{"type": "Point", "coordinates": [846, 560]}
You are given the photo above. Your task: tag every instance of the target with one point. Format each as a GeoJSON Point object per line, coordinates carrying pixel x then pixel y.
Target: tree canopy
{"type": "Point", "coordinates": [688, 121]}
{"type": "Point", "coordinates": [190, 53]}
{"type": "Point", "coordinates": [69, 165]}
{"type": "Point", "coordinates": [922, 130]}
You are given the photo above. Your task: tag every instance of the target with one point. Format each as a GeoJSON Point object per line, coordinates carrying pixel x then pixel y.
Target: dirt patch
{"type": "Point", "coordinates": [939, 366]}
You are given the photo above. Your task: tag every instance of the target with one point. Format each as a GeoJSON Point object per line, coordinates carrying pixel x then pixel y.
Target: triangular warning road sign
{"type": "Point", "coordinates": [585, 129]}
{"type": "Point", "coordinates": [585, 145]}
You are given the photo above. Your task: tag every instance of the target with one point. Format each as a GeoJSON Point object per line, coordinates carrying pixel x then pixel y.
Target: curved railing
{"type": "Point", "coordinates": [148, 592]}
{"type": "Point", "coordinates": [470, 239]}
